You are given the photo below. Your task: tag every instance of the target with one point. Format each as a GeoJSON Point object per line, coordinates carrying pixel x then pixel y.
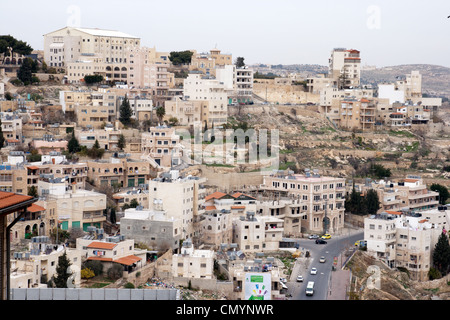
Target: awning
{"type": "Point", "coordinates": [128, 260]}
{"type": "Point", "coordinates": [32, 167]}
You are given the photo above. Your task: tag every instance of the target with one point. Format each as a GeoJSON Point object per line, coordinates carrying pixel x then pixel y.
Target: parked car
{"type": "Point", "coordinates": [321, 241]}
{"type": "Point", "coordinates": [299, 278]}
{"type": "Point", "coordinates": [314, 271]}
{"type": "Point", "coordinates": [283, 280]}
{"type": "Point", "coordinates": [326, 236]}
{"type": "Point", "coordinates": [322, 259]}
{"type": "Point", "coordinates": [313, 236]}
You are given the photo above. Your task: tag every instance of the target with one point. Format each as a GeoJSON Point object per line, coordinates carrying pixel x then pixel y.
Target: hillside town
{"type": "Point", "coordinates": [187, 173]}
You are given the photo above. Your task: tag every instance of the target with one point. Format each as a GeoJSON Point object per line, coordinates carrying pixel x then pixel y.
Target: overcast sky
{"type": "Point", "coordinates": [262, 31]}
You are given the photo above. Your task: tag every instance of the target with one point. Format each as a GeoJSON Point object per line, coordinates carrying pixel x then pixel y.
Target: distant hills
{"type": "Point", "coordinates": [435, 79]}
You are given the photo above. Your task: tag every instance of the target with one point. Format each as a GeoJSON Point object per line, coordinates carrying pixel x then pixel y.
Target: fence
{"type": "Point", "coordinates": [93, 294]}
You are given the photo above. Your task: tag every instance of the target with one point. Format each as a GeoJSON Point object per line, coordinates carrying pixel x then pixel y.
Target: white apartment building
{"type": "Point", "coordinates": [193, 263]}
{"type": "Point", "coordinates": [322, 198]}
{"type": "Point", "coordinates": [71, 44]}
{"type": "Point", "coordinates": [37, 265]}
{"type": "Point", "coordinates": [200, 88]}
{"type": "Point", "coordinates": [238, 82]}
{"type": "Point", "coordinates": [405, 239]}
{"type": "Point", "coordinates": [180, 196]}
{"type": "Point", "coordinates": [345, 67]}
{"type": "Point", "coordinates": [161, 145]}
{"type": "Point", "coordinates": [75, 208]}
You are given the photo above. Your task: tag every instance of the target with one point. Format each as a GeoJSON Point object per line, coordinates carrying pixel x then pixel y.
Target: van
{"type": "Point", "coordinates": [310, 288]}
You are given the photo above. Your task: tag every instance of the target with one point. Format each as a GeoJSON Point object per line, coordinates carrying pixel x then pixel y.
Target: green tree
{"type": "Point", "coordinates": [379, 171]}
{"type": "Point", "coordinates": [372, 201]}
{"type": "Point", "coordinates": [25, 73]}
{"type": "Point", "coordinates": [93, 78]}
{"type": "Point", "coordinates": [355, 203]}
{"type": "Point", "coordinates": [8, 43]}
{"type": "Point", "coordinates": [443, 192]}
{"type": "Point", "coordinates": [73, 146]}
{"type": "Point", "coordinates": [160, 113]}
{"type": "Point", "coordinates": [180, 57]}
{"type": "Point", "coordinates": [96, 152]}
{"type": "Point", "coordinates": [125, 111]}
{"type": "Point", "coordinates": [62, 274]}
{"type": "Point", "coordinates": [32, 191]}
{"type": "Point", "coordinates": [441, 254]}
{"type": "Point", "coordinates": [2, 138]}
{"type": "Point", "coordinates": [239, 62]}
{"type": "Point", "coordinates": [121, 143]}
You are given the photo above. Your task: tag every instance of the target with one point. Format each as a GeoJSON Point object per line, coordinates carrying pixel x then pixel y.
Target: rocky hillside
{"type": "Point", "coordinates": [309, 140]}
{"type": "Point", "coordinates": [393, 285]}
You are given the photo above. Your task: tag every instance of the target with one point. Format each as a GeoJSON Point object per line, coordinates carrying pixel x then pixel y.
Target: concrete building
{"type": "Point", "coordinates": [75, 208]}
{"type": "Point", "coordinates": [120, 171]}
{"type": "Point", "coordinates": [357, 114]}
{"type": "Point", "coordinates": [254, 233]}
{"type": "Point", "coordinates": [162, 146]}
{"type": "Point", "coordinates": [322, 198]}
{"type": "Point", "coordinates": [200, 88]}
{"type": "Point", "coordinates": [404, 239]}
{"type": "Point", "coordinates": [155, 228]}
{"type": "Point", "coordinates": [113, 250]}
{"type": "Point", "coordinates": [181, 198]}
{"type": "Point", "coordinates": [215, 228]}
{"type": "Point", "coordinates": [71, 44]}
{"type": "Point", "coordinates": [37, 265]}
{"type": "Point", "coordinates": [410, 193]}
{"type": "Point", "coordinates": [193, 263]}
{"type": "Point", "coordinates": [187, 112]}
{"type": "Point", "coordinates": [207, 62]}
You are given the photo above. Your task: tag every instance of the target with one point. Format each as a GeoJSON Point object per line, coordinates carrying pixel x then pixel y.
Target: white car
{"type": "Point", "coordinates": [314, 271]}
{"type": "Point", "coordinates": [283, 280]}
{"type": "Point", "coordinates": [299, 278]}
{"type": "Point", "coordinates": [322, 259]}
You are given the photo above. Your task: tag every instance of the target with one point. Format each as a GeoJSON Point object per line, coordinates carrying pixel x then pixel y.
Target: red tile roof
{"type": "Point", "coordinates": [102, 245]}
{"type": "Point", "coordinates": [35, 208]}
{"type": "Point", "coordinates": [128, 260]}
{"type": "Point", "coordinates": [215, 195]}
{"type": "Point", "coordinates": [8, 199]}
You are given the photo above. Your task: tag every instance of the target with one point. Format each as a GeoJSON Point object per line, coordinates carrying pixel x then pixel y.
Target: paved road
{"type": "Point", "coordinates": [328, 284]}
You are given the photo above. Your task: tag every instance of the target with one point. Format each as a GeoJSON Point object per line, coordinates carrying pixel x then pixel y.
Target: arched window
{"type": "Point", "coordinates": [108, 68]}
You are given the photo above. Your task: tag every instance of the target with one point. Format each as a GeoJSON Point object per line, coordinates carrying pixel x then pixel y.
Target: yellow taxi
{"type": "Point", "coordinates": [326, 236]}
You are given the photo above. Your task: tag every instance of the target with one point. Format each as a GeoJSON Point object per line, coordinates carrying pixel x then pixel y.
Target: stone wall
{"type": "Point", "coordinates": [277, 93]}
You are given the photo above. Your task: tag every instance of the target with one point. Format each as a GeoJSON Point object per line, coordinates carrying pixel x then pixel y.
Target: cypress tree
{"type": "Point", "coordinates": [441, 254]}
{"type": "Point", "coordinates": [61, 271]}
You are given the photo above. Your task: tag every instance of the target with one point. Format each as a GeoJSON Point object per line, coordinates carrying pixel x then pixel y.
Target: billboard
{"type": "Point", "coordinates": [257, 286]}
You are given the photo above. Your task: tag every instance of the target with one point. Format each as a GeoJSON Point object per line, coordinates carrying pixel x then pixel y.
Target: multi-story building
{"type": "Point", "coordinates": [322, 198]}
{"type": "Point", "coordinates": [238, 83]}
{"type": "Point", "coordinates": [254, 233]}
{"type": "Point", "coordinates": [12, 127]}
{"type": "Point", "coordinates": [187, 112]}
{"type": "Point", "coordinates": [120, 172]}
{"type": "Point", "coordinates": [289, 210]}
{"type": "Point", "coordinates": [113, 250]}
{"type": "Point", "coordinates": [75, 208]}
{"type": "Point", "coordinates": [198, 87]}
{"type": "Point", "coordinates": [162, 145]}
{"type": "Point", "coordinates": [357, 114]}
{"type": "Point", "coordinates": [34, 267]}
{"type": "Point", "coordinates": [206, 63]}
{"type": "Point", "coordinates": [405, 239]}
{"type": "Point", "coordinates": [410, 193]}
{"type": "Point", "coordinates": [193, 263]}
{"type": "Point", "coordinates": [154, 227]}
{"type": "Point", "coordinates": [106, 47]}
{"type": "Point", "coordinates": [185, 205]}
{"type": "Point", "coordinates": [215, 227]}
{"type": "Point", "coordinates": [345, 67]}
